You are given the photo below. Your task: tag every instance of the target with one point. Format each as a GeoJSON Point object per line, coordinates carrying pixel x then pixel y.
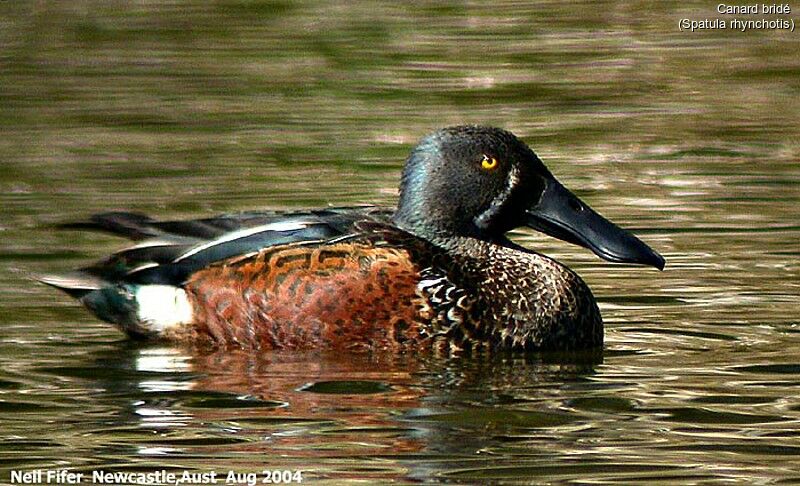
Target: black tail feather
{"type": "Point", "coordinates": [76, 284]}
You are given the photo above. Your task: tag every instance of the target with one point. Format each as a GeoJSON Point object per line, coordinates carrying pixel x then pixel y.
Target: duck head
{"type": "Point", "coordinates": [481, 182]}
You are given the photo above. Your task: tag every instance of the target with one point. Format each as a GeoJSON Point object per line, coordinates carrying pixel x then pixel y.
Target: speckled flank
{"type": "Point", "coordinates": [508, 299]}
{"type": "Point", "coordinates": [536, 302]}
{"type": "Point", "coordinates": [337, 296]}
{"type": "Point", "coordinates": [396, 295]}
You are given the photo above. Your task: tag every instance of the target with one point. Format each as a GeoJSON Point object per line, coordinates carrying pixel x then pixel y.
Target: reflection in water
{"type": "Point", "coordinates": [315, 412]}
{"type": "Point", "coordinates": [389, 417]}
{"type": "Point", "coordinates": [327, 405]}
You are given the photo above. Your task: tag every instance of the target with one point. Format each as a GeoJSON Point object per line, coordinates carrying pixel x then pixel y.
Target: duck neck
{"type": "Point", "coordinates": [434, 226]}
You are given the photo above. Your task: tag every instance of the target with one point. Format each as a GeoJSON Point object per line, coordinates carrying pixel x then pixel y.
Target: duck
{"type": "Point", "coordinates": [436, 272]}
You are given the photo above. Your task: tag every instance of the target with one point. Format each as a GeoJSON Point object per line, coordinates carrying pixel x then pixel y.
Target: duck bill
{"type": "Point", "coordinates": [562, 215]}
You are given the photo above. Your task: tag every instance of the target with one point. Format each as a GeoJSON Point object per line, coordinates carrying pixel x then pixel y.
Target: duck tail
{"type": "Point", "coordinates": [75, 284]}
{"type": "Point", "coordinates": [141, 311]}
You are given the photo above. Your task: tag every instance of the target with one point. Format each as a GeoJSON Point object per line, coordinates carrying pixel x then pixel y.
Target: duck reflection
{"type": "Point", "coordinates": [325, 408]}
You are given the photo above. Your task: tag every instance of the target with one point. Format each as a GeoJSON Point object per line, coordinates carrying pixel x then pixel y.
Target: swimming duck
{"type": "Point", "coordinates": [436, 272]}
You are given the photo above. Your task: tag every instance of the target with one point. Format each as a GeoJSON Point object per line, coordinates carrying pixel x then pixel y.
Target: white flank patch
{"type": "Point", "coordinates": [162, 307]}
{"type": "Point", "coordinates": [243, 233]}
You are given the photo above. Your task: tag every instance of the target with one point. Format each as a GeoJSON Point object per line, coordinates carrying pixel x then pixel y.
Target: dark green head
{"type": "Point", "coordinates": [482, 182]}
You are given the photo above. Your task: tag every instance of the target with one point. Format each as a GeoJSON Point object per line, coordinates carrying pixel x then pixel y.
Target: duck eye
{"type": "Point", "coordinates": [488, 163]}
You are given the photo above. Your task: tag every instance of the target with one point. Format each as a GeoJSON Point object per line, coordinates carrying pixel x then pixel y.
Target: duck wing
{"type": "Point", "coordinates": [167, 252]}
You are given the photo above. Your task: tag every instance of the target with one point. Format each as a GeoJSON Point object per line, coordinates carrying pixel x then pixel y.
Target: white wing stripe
{"type": "Point", "coordinates": [243, 233]}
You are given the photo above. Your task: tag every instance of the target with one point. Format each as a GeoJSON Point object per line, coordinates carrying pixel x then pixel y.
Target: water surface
{"type": "Point", "coordinates": [183, 109]}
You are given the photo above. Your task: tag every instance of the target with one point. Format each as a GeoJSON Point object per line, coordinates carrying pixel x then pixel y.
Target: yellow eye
{"type": "Point", "coordinates": [488, 163]}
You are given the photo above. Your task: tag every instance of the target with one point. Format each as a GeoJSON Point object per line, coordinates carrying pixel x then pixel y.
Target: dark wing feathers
{"type": "Point", "coordinates": [131, 225]}
{"type": "Point", "coordinates": [137, 226]}
{"type": "Point", "coordinates": [118, 265]}
{"type": "Point", "coordinates": [170, 251]}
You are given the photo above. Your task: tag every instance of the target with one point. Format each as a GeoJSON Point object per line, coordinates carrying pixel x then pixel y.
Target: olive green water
{"type": "Point", "coordinates": [183, 109]}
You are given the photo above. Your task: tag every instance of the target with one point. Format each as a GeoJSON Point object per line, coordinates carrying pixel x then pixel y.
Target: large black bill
{"type": "Point", "coordinates": [560, 214]}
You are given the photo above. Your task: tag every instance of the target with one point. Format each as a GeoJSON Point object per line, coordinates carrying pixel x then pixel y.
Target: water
{"type": "Point", "coordinates": [181, 109]}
